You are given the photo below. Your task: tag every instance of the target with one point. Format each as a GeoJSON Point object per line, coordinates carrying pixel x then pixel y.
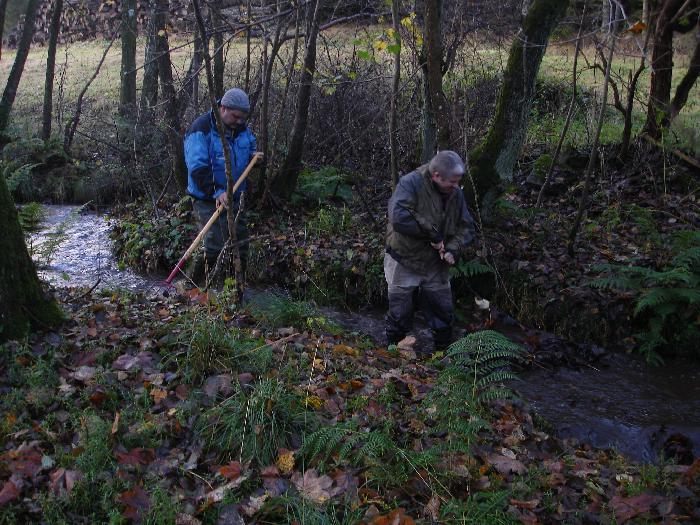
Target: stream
{"type": "Point", "coordinates": [617, 401]}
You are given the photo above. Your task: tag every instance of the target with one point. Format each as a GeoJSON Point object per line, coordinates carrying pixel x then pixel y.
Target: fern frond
{"type": "Point", "coordinates": [614, 282]}
{"type": "Point", "coordinates": [470, 269]}
{"type": "Point", "coordinates": [689, 258]}
{"type": "Point", "coordinates": [495, 393]}
{"type": "Point", "coordinates": [322, 443]}
{"type": "Point", "coordinates": [656, 297]}
{"type": "Point", "coordinates": [495, 377]}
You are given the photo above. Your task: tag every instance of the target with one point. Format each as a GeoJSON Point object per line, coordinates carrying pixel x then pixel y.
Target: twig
{"type": "Point", "coordinates": [74, 299]}
{"type": "Point", "coordinates": [569, 114]}
{"type": "Point", "coordinates": [678, 153]}
{"type": "Point", "coordinates": [73, 123]}
{"type": "Point", "coordinates": [593, 159]}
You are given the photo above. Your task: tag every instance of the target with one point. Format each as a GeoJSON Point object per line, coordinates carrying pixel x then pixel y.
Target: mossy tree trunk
{"type": "Point", "coordinates": [673, 15]}
{"type": "Point", "coordinates": [54, 29]}
{"type": "Point", "coordinates": [493, 160]}
{"type": "Point", "coordinates": [286, 180]}
{"type": "Point", "coordinates": [23, 304]}
{"type": "Point", "coordinates": [8, 96]}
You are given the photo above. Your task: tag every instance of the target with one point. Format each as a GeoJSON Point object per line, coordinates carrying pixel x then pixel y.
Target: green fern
{"type": "Point", "coordinates": [478, 369]}
{"type": "Point", "coordinates": [667, 300]}
{"type": "Point", "coordinates": [470, 269]}
{"type": "Point", "coordinates": [348, 443]}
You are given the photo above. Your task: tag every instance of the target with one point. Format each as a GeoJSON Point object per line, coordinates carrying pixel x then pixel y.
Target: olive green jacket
{"type": "Point", "coordinates": [417, 217]}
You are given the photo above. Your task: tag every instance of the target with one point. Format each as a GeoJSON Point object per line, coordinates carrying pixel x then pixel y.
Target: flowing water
{"type": "Point", "coordinates": [616, 401]}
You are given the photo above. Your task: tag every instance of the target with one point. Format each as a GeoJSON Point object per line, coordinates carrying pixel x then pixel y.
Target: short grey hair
{"type": "Point", "coordinates": [447, 163]}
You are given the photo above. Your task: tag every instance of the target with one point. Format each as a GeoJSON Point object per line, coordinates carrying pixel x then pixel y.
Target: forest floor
{"type": "Point", "coordinates": [186, 410]}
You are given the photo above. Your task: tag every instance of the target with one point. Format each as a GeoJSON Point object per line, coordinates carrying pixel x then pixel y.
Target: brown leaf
{"type": "Point", "coordinates": [231, 471]}
{"type": "Point", "coordinates": [63, 481]}
{"type": "Point", "coordinates": [395, 517]}
{"type": "Point", "coordinates": [505, 465]}
{"type": "Point", "coordinates": [432, 508]}
{"type": "Point", "coordinates": [136, 501]}
{"type": "Point", "coordinates": [8, 493]}
{"type": "Point", "coordinates": [627, 508]}
{"type": "Point", "coordinates": [312, 486]}
{"type": "Point", "coordinates": [136, 456]}
{"type": "Point", "coordinates": [115, 423]}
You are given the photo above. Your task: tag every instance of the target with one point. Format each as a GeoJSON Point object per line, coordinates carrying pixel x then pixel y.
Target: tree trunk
{"type": "Point", "coordinates": [215, 16]}
{"type": "Point", "coordinates": [247, 47]}
{"type": "Point", "coordinates": [54, 29]}
{"type": "Point", "coordinates": [436, 118]}
{"type": "Point", "coordinates": [393, 115]}
{"type": "Point", "coordinates": [8, 96]}
{"type": "Point", "coordinates": [3, 9]}
{"type": "Point", "coordinates": [268, 68]}
{"type": "Point", "coordinates": [149, 86]}
{"type": "Point", "coordinates": [688, 80]}
{"type": "Point", "coordinates": [493, 161]}
{"type": "Point", "coordinates": [170, 101]}
{"type": "Point", "coordinates": [659, 107]}
{"type": "Point", "coordinates": [23, 303]}
{"type": "Point", "coordinates": [127, 93]}
{"type": "Point", "coordinates": [289, 173]}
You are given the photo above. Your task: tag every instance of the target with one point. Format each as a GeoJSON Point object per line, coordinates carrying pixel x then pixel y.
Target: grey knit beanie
{"type": "Point", "coordinates": [236, 98]}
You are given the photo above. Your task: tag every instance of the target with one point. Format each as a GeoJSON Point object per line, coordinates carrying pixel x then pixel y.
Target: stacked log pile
{"type": "Point", "coordinates": [95, 19]}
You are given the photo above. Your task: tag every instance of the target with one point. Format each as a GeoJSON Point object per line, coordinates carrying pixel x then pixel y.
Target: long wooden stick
{"type": "Point", "coordinates": [212, 220]}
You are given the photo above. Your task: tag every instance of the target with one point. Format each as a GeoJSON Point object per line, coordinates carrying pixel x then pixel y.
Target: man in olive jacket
{"type": "Point", "coordinates": [428, 228]}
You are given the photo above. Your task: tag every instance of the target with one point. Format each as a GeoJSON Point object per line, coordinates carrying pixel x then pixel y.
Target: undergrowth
{"type": "Point", "coordinates": [667, 301]}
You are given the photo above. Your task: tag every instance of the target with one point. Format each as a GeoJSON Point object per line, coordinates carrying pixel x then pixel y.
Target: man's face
{"type": "Point", "coordinates": [446, 185]}
{"type": "Point", "coordinates": [233, 118]}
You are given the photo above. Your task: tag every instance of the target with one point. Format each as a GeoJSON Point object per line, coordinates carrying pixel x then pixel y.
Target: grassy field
{"type": "Point", "coordinates": [77, 62]}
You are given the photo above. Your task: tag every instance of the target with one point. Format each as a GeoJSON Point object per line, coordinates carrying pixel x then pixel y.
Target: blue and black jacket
{"type": "Point", "coordinates": [206, 165]}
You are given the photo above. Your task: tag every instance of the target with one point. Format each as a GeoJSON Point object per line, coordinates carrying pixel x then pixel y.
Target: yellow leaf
{"type": "Point", "coordinates": [158, 394]}
{"type": "Point", "coordinates": [161, 33]}
{"type": "Point", "coordinates": [285, 462]}
{"type": "Point", "coordinates": [347, 350]}
{"type": "Point", "coordinates": [314, 402]}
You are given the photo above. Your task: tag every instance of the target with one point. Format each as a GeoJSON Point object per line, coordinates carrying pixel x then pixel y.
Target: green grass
{"type": "Point", "coordinates": [102, 98]}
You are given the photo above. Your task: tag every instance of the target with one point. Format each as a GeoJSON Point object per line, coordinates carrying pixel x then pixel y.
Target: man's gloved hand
{"type": "Point", "coordinates": [222, 200]}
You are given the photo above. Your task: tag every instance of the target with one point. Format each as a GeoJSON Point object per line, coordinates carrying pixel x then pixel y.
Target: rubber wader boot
{"type": "Point", "coordinates": [197, 271]}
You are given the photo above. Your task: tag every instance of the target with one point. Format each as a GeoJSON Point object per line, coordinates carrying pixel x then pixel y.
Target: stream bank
{"type": "Point", "coordinates": [602, 398]}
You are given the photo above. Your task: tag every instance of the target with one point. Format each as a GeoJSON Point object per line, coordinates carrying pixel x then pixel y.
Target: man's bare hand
{"type": "Point", "coordinates": [439, 246]}
{"type": "Point", "coordinates": [448, 258]}
{"type": "Point", "coordinates": [222, 200]}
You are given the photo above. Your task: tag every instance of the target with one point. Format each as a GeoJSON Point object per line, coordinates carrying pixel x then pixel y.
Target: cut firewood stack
{"type": "Point", "coordinates": [100, 19]}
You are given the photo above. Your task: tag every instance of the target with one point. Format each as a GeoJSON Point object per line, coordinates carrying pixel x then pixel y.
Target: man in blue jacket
{"type": "Point", "coordinates": [206, 173]}
{"type": "Point", "coordinates": [428, 230]}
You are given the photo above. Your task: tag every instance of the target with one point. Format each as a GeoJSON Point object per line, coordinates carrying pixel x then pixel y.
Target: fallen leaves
{"type": "Point", "coordinates": [136, 456]}
{"type": "Point", "coordinates": [312, 486]}
{"type": "Point", "coordinates": [62, 481]}
{"type": "Point", "coordinates": [8, 492]}
{"type": "Point", "coordinates": [136, 503]}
